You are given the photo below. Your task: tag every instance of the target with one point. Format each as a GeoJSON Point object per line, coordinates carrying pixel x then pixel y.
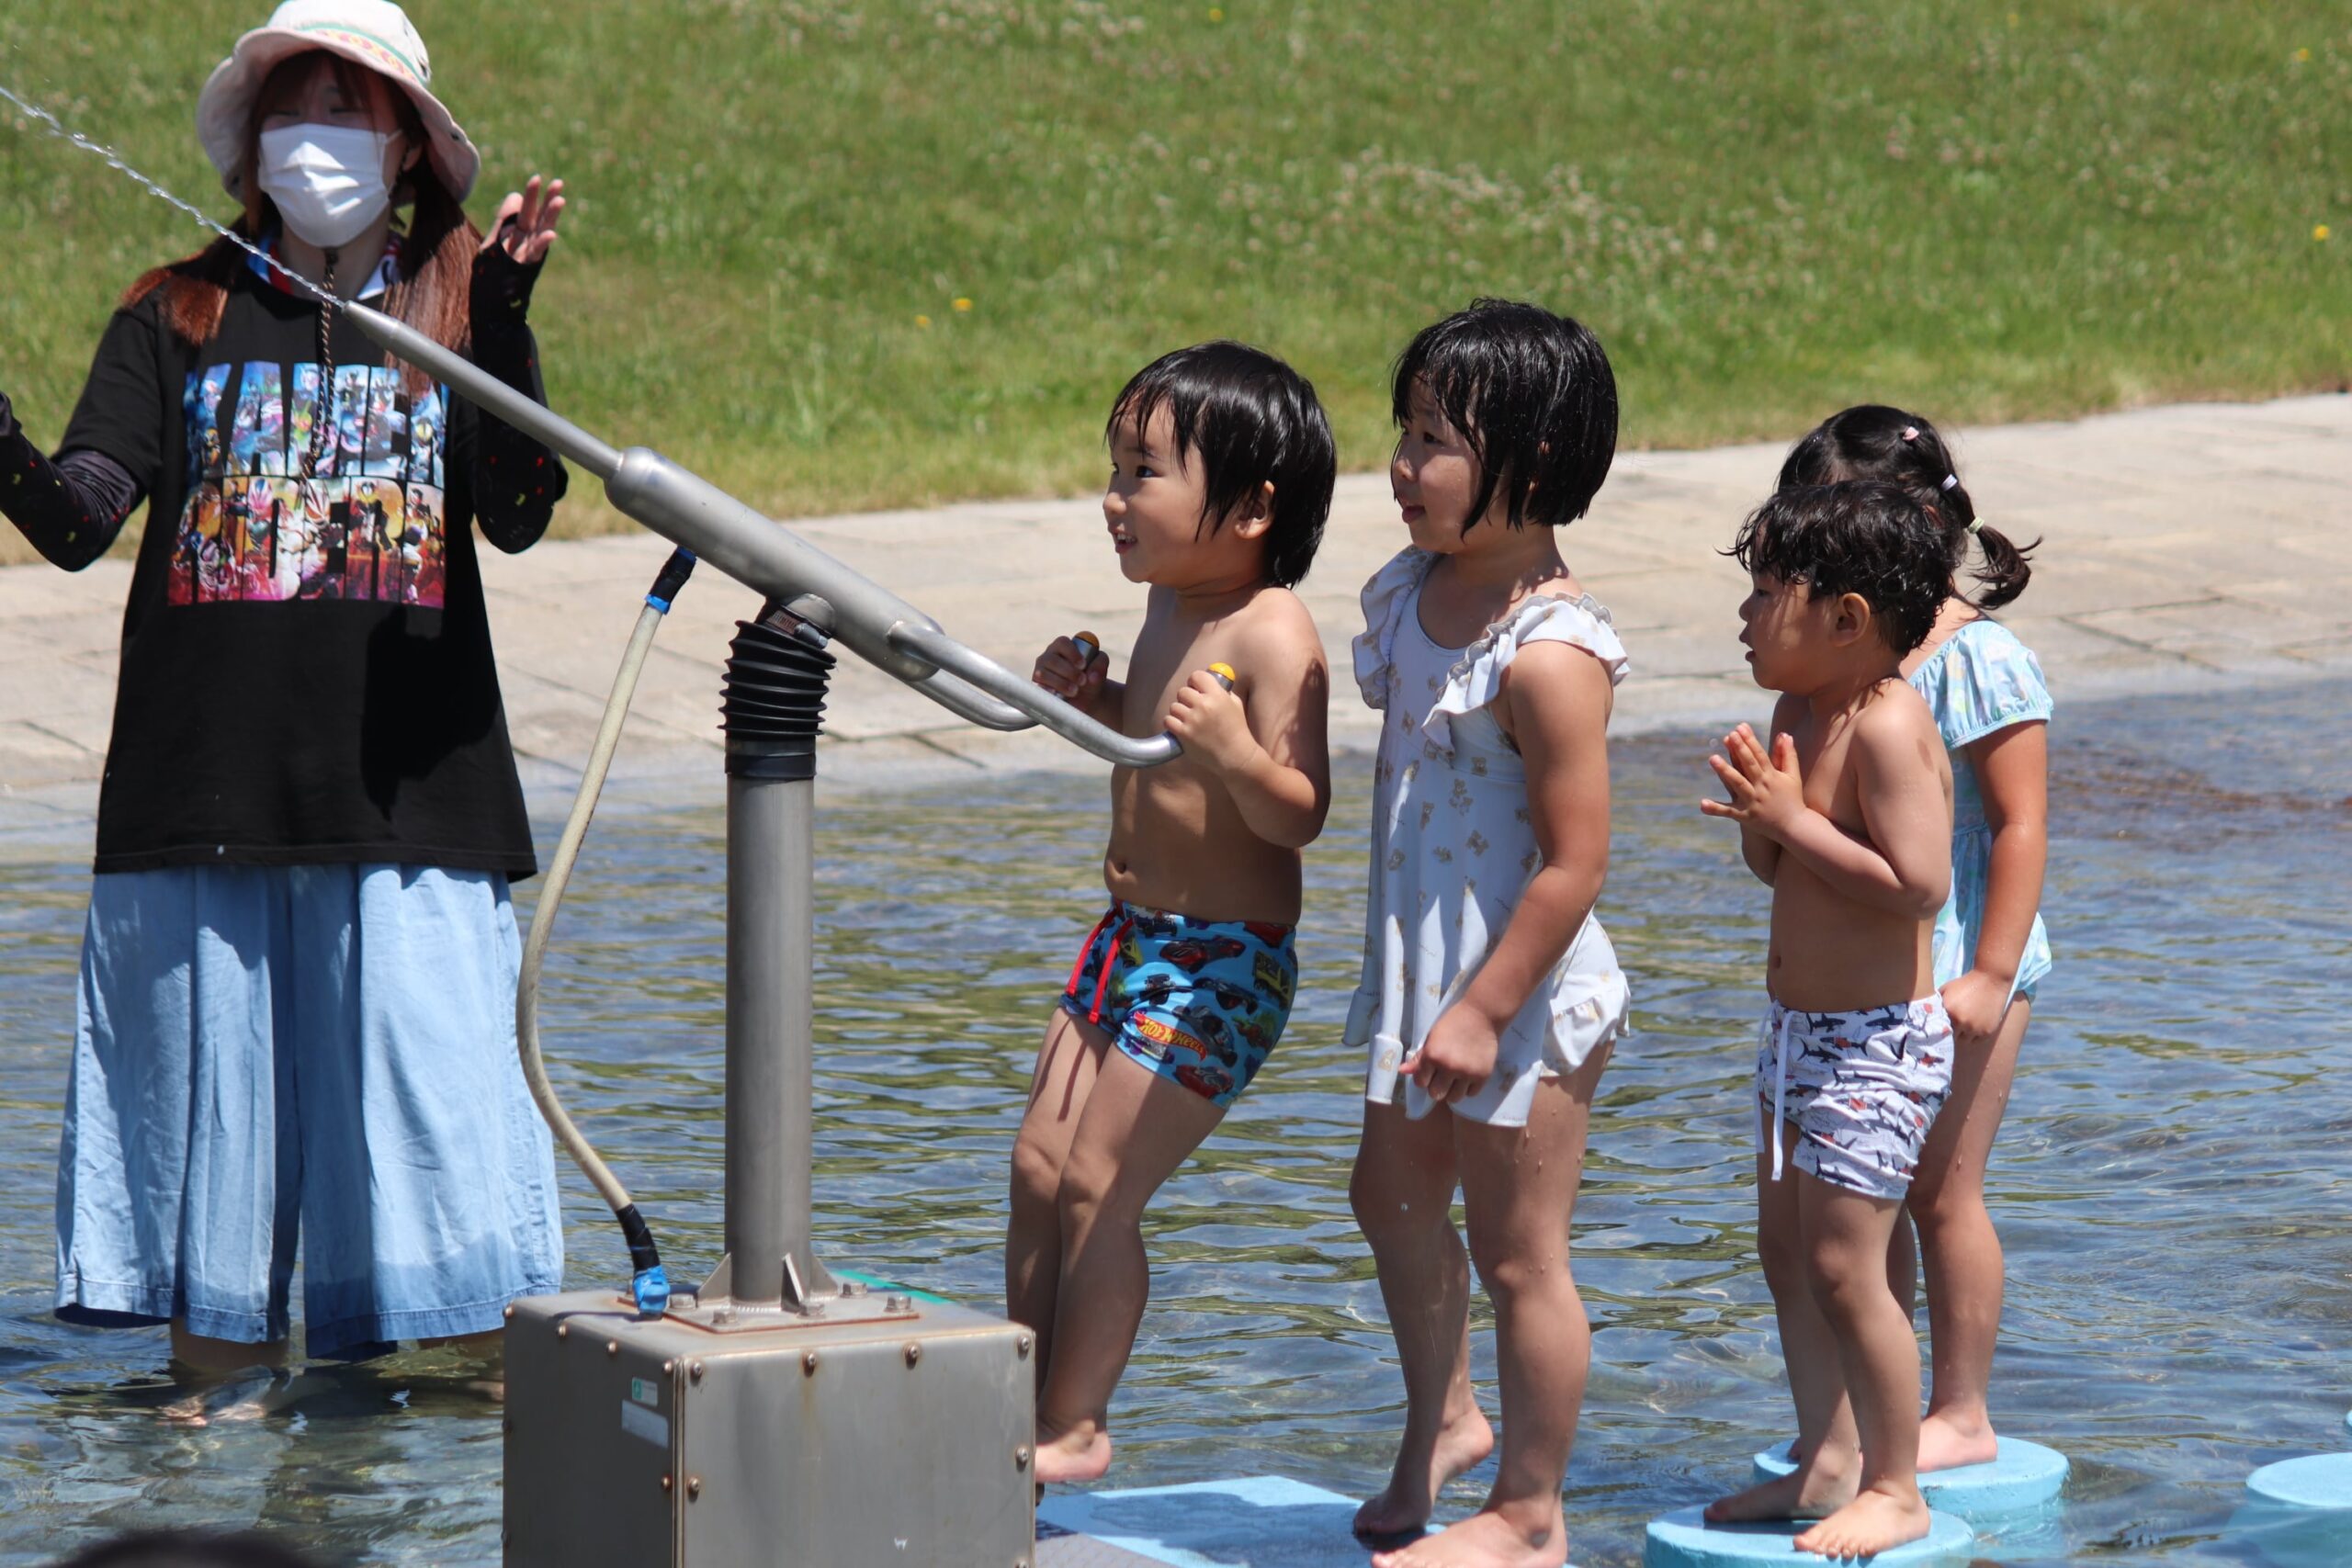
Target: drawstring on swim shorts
{"type": "Point", "coordinates": [1779, 1087]}
{"type": "Point", "coordinates": [1119, 913]}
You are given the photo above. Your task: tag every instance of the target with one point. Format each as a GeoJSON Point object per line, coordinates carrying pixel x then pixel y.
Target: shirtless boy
{"type": "Point", "coordinates": [1848, 818]}
{"type": "Point", "coordinates": [1221, 471]}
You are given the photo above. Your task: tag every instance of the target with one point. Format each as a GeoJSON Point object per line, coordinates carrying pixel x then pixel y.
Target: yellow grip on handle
{"type": "Point", "coordinates": [1089, 645]}
{"type": "Point", "coordinates": [1225, 676]}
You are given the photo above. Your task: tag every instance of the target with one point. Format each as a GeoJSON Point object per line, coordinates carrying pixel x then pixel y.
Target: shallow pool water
{"type": "Point", "coordinates": [2171, 1184]}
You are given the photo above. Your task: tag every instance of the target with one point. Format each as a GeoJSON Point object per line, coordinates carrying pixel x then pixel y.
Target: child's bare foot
{"type": "Point", "coordinates": [1946, 1443]}
{"type": "Point", "coordinates": [1872, 1522]}
{"type": "Point", "coordinates": [1082, 1453]}
{"type": "Point", "coordinates": [1489, 1538]}
{"type": "Point", "coordinates": [1807, 1493]}
{"type": "Point", "coordinates": [1413, 1486]}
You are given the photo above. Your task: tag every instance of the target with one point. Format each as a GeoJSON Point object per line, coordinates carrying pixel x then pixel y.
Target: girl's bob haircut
{"type": "Point", "coordinates": [1532, 394]}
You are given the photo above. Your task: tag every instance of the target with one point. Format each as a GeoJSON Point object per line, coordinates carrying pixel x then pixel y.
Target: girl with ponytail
{"type": "Point", "coordinates": [1991, 952]}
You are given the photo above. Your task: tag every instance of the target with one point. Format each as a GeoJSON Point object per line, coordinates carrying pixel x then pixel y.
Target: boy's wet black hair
{"type": "Point", "coordinates": [1252, 420]}
{"type": "Point", "coordinates": [1871, 441]}
{"type": "Point", "coordinates": [1532, 395]}
{"type": "Point", "coordinates": [1863, 536]}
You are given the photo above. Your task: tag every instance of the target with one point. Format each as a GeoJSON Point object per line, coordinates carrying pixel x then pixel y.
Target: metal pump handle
{"type": "Point", "coordinates": [764, 555]}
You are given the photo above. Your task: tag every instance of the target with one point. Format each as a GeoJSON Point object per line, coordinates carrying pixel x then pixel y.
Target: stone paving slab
{"type": "Point", "coordinates": [2185, 547]}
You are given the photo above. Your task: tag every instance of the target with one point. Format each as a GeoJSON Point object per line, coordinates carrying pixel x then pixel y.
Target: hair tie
{"type": "Point", "coordinates": [1976, 527]}
{"type": "Point", "coordinates": [1951, 481]}
{"type": "Point", "coordinates": [1910, 432]}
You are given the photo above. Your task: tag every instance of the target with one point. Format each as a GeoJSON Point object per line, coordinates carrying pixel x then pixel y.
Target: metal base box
{"type": "Point", "coordinates": [895, 1435]}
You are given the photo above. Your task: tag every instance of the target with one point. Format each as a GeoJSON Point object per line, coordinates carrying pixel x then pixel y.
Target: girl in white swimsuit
{"type": "Point", "coordinates": [1490, 994]}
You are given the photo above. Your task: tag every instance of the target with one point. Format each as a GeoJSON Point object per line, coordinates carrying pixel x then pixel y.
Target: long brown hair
{"type": "Point", "coordinates": [433, 291]}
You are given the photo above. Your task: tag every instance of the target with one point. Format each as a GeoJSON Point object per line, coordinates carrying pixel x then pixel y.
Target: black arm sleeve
{"type": "Point", "coordinates": [71, 509]}
{"type": "Point", "coordinates": [516, 480]}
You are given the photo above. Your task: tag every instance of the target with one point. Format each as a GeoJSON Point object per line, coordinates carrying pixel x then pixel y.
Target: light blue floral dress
{"type": "Point", "coordinates": [1981, 682]}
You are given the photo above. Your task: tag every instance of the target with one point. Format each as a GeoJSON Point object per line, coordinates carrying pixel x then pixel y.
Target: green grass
{"type": "Point", "coordinates": [1767, 210]}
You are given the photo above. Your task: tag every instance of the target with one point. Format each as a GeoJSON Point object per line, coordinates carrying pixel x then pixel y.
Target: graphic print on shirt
{"type": "Point", "coordinates": [366, 523]}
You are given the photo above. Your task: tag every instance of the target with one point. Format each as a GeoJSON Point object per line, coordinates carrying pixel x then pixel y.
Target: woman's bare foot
{"type": "Point", "coordinates": [1946, 1443]}
{"type": "Point", "coordinates": [196, 1411]}
{"type": "Point", "coordinates": [1816, 1490]}
{"type": "Point", "coordinates": [1082, 1453]}
{"type": "Point", "coordinates": [225, 1401]}
{"type": "Point", "coordinates": [1872, 1522]}
{"type": "Point", "coordinates": [1489, 1538]}
{"type": "Point", "coordinates": [1413, 1486]}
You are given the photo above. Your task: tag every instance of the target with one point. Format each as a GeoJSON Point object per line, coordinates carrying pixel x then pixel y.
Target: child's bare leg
{"type": "Point", "coordinates": [1901, 1278]}
{"type": "Point", "coordinates": [1846, 1234]}
{"type": "Point", "coordinates": [1902, 1266]}
{"type": "Point", "coordinates": [1067, 1063]}
{"type": "Point", "coordinates": [1402, 1191]}
{"type": "Point", "coordinates": [1138, 1127]}
{"type": "Point", "coordinates": [1828, 1449]}
{"type": "Point", "coordinates": [1518, 1192]}
{"type": "Point", "coordinates": [1963, 1251]}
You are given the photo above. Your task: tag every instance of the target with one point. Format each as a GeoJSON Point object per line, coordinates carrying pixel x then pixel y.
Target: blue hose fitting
{"type": "Point", "coordinates": [650, 1285]}
{"type": "Point", "coordinates": [674, 572]}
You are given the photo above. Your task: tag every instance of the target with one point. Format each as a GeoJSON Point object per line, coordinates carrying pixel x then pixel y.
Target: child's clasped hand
{"type": "Point", "coordinates": [1767, 790]}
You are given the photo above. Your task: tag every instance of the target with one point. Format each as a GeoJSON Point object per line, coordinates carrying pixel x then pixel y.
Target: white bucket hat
{"type": "Point", "coordinates": [373, 33]}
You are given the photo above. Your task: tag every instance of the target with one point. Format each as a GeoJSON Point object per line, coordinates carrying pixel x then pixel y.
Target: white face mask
{"type": "Point", "coordinates": [327, 180]}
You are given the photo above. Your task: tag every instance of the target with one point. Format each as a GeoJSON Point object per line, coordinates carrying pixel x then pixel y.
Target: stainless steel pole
{"type": "Point", "coordinates": [776, 675]}
{"type": "Point", "coordinates": [770, 932]}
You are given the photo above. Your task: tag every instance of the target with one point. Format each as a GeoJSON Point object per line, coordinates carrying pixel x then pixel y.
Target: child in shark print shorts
{"type": "Point", "coordinates": [1861, 1087]}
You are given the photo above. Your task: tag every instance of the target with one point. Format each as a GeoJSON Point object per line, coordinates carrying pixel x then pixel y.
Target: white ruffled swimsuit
{"type": "Point", "coordinates": [1453, 848]}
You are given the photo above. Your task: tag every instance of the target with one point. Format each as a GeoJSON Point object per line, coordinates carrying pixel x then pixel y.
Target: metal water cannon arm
{"type": "Point", "coordinates": [1042, 706]}
{"type": "Point", "coordinates": [757, 551]}
{"type": "Point", "coordinates": [526, 414]}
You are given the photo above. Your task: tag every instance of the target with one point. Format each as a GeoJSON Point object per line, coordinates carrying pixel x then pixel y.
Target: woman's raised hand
{"type": "Point", "coordinates": [527, 219]}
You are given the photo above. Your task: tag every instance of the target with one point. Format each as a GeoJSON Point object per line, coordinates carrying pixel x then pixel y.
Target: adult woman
{"type": "Point", "coordinates": [295, 1002]}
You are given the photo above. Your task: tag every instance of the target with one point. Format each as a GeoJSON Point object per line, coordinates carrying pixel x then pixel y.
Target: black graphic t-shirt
{"type": "Point", "coordinates": [305, 668]}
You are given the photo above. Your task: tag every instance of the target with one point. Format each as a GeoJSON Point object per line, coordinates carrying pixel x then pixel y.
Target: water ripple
{"type": "Point", "coordinates": [2171, 1184]}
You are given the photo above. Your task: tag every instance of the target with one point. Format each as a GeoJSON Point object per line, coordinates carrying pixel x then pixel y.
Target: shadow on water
{"type": "Point", "coordinates": [2171, 1186]}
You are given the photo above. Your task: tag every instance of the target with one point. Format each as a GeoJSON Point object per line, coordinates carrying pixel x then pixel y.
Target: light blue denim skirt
{"type": "Point", "coordinates": [320, 1054]}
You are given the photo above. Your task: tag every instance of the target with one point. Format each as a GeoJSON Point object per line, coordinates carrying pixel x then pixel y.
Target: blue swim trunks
{"type": "Point", "coordinates": [1199, 1002]}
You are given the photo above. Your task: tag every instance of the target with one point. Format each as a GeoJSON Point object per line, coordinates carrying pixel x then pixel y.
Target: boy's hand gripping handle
{"type": "Point", "coordinates": [1089, 645]}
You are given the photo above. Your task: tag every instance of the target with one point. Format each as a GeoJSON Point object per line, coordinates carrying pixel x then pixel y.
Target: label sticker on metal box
{"type": "Point", "coordinates": [639, 1422]}
{"type": "Point", "coordinates": [645, 1392]}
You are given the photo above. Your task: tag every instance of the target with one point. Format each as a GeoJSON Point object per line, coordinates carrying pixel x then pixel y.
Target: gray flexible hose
{"type": "Point", "coordinates": [650, 1284]}
{"type": "Point", "coordinates": [559, 877]}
